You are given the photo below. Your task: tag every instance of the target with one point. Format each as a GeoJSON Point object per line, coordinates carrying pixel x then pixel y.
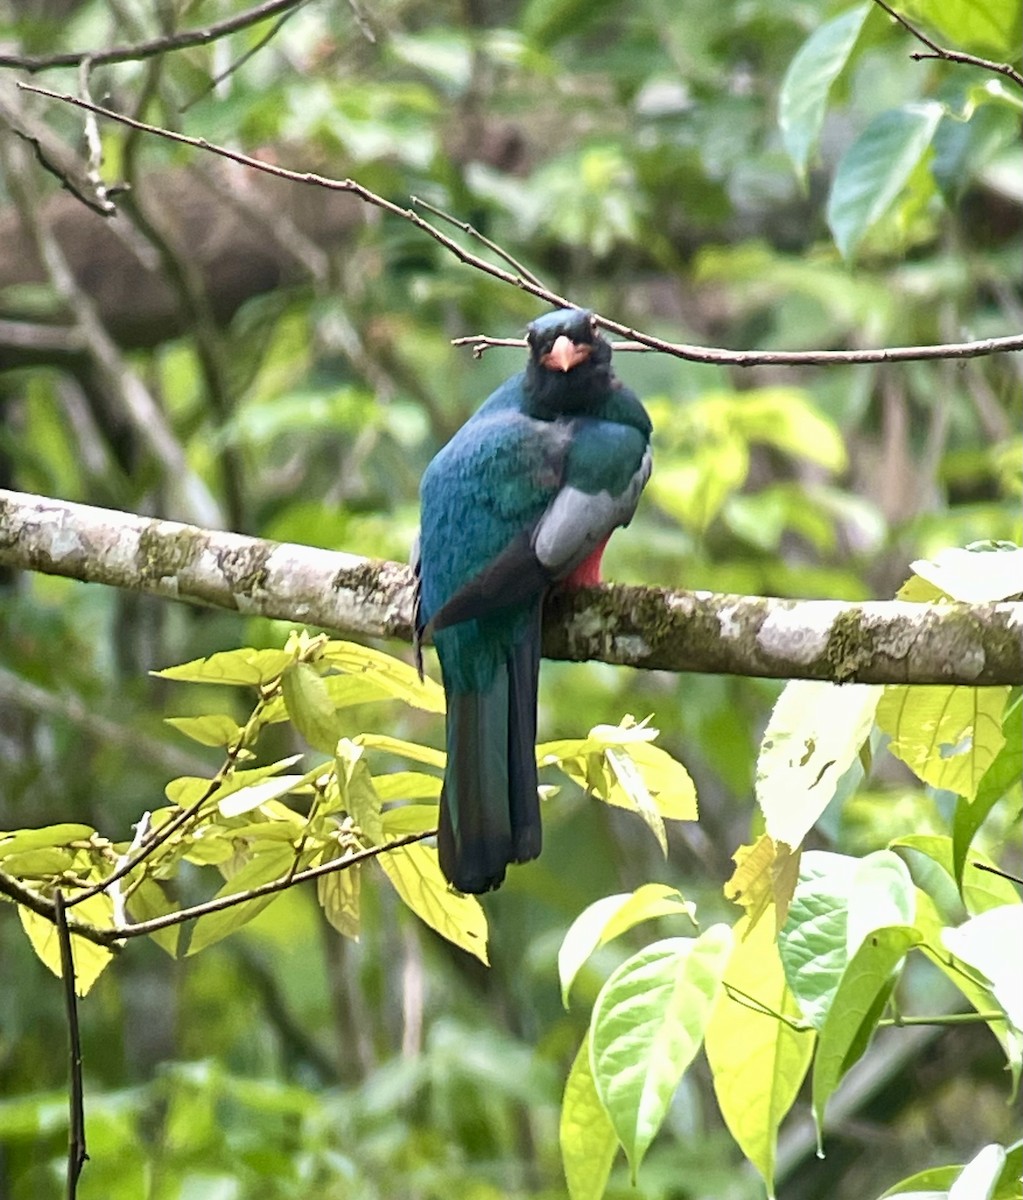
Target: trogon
{"type": "Point", "coordinates": [524, 496]}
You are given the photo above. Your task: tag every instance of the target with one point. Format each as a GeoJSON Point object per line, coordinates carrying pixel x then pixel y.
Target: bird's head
{"type": "Point", "coordinates": [569, 362]}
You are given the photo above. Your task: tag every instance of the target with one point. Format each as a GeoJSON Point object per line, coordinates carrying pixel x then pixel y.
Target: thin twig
{"type": "Point", "coordinates": [76, 1152]}
{"type": "Point", "coordinates": [700, 354]}
{"type": "Point", "coordinates": [472, 231]}
{"type": "Point", "coordinates": [240, 62]}
{"type": "Point", "coordinates": [955, 56]}
{"type": "Point", "coordinates": [112, 938]}
{"type": "Point", "coordinates": [999, 872]}
{"type": "Point", "coordinates": [153, 47]}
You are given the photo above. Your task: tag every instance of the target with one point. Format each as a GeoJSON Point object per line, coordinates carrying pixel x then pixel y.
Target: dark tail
{"type": "Point", "coordinates": [489, 808]}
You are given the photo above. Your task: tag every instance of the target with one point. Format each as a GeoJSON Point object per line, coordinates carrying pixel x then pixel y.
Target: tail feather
{"type": "Point", "coordinates": [489, 808]}
{"type": "Point", "coordinates": [523, 800]}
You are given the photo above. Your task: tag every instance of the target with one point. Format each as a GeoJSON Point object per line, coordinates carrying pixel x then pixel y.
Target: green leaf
{"type": "Point", "coordinates": [407, 785]}
{"type": "Point", "coordinates": [1004, 773]}
{"type": "Point", "coordinates": [238, 668]}
{"type": "Point", "coordinates": [273, 862]}
{"type": "Point", "coordinates": [856, 1008]}
{"type": "Point", "coordinates": [89, 959]}
{"type": "Point", "coordinates": [339, 896]}
{"type": "Point", "coordinates": [149, 900]}
{"type": "Point", "coordinates": [876, 168]}
{"type": "Point", "coordinates": [358, 796]}
{"type": "Point", "coordinates": [409, 818]}
{"type": "Point", "coordinates": [948, 736]}
{"type": "Point", "coordinates": [758, 1062]}
{"type": "Point", "coordinates": [788, 419]}
{"type": "Point", "coordinates": [812, 942]}
{"type": "Point", "coordinates": [610, 917]}
{"type": "Point", "coordinates": [931, 1184]}
{"type": "Point", "coordinates": [392, 745]}
{"type": "Point", "coordinates": [214, 729]}
{"type": "Point", "coordinates": [813, 737]}
{"type": "Point", "coordinates": [981, 26]}
{"type": "Point", "coordinates": [597, 764]}
{"type": "Point", "coordinates": [979, 1178]}
{"type": "Point", "coordinates": [310, 707]}
{"type": "Point", "coordinates": [20, 840]}
{"type": "Point", "coordinates": [975, 576]}
{"type": "Point", "coordinates": [980, 890]}
{"type": "Point", "coordinates": [588, 1141]}
{"type": "Point", "coordinates": [245, 799]}
{"type": "Point", "coordinates": [647, 1025]}
{"type": "Point", "coordinates": [984, 943]}
{"type": "Point", "coordinates": [804, 90]}
{"type": "Point", "coordinates": [416, 876]}
{"type": "Point", "coordinates": [881, 893]}
{"type": "Point", "coordinates": [390, 674]}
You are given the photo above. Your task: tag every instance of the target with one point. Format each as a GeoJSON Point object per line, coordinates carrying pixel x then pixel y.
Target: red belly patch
{"type": "Point", "coordinates": [587, 573]}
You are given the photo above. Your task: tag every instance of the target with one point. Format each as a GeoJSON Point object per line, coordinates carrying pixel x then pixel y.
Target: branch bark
{"type": "Point", "coordinates": [656, 629]}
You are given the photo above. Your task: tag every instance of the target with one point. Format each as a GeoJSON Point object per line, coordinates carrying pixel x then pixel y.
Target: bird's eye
{"type": "Point", "coordinates": [593, 326]}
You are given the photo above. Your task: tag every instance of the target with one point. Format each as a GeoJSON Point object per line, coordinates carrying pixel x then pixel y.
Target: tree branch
{"type": "Point", "coordinates": [700, 354]}
{"type": "Point", "coordinates": [76, 1152]}
{"type": "Point", "coordinates": [873, 642]}
{"type": "Point", "coordinates": [955, 56]}
{"type": "Point", "coordinates": [149, 49]}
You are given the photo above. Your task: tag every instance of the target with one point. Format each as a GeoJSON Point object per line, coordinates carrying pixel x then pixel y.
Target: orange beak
{"type": "Point", "coordinates": [566, 354]}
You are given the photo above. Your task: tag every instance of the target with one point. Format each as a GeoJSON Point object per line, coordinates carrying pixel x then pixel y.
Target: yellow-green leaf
{"type": "Point", "coordinates": [765, 876]}
{"type": "Point", "coordinates": [948, 736]}
{"type": "Point", "coordinates": [339, 895]}
{"type": "Point", "coordinates": [358, 796]}
{"type": "Point", "coordinates": [274, 862]}
{"type": "Point", "coordinates": [417, 879]}
{"type": "Point", "coordinates": [758, 1061]}
{"type": "Point", "coordinates": [409, 818]}
{"type": "Point", "coordinates": [407, 785]}
{"type": "Point", "coordinates": [393, 675]}
{"type": "Point", "coordinates": [149, 900]}
{"type": "Point", "coordinates": [393, 745]}
{"type": "Point", "coordinates": [310, 707]}
{"type": "Point", "coordinates": [238, 668]}
{"type": "Point", "coordinates": [213, 729]}
{"type": "Point", "coordinates": [588, 1142]}
{"type": "Point", "coordinates": [89, 959]}
{"type": "Point", "coordinates": [813, 737]}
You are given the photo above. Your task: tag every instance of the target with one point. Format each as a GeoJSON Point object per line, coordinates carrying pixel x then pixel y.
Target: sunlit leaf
{"type": "Point", "coordinates": [407, 785]}
{"type": "Point", "coordinates": [1005, 772]}
{"type": "Point", "coordinates": [245, 799]}
{"type": "Point", "coordinates": [235, 667]}
{"type": "Point", "coordinates": [876, 168]}
{"type": "Point", "coordinates": [588, 1141]}
{"type": "Point", "coordinates": [409, 818]}
{"type": "Point", "coordinates": [20, 840]}
{"type": "Point", "coordinates": [787, 418]}
{"type": "Point", "coordinates": [804, 90]}
{"type": "Point", "coordinates": [984, 26]}
{"type": "Point", "coordinates": [273, 863]}
{"type": "Point", "coordinates": [975, 576]}
{"type": "Point", "coordinates": [394, 676]}
{"type": "Point", "coordinates": [948, 736]}
{"type": "Point", "coordinates": [609, 918]}
{"type": "Point", "coordinates": [403, 749]}
{"type": "Point", "coordinates": [757, 1060]}
{"type": "Point", "coordinates": [647, 1025]}
{"type": "Point", "coordinates": [983, 942]}
{"type": "Point", "coordinates": [764, 878]}
{"type": "Point", "coordinates": [148, 900]}
{"type": "Point", "coordinates": [813, 737]}
{"type": "Point", "coordinates": [417, 879]}
{"type": "Point", "coordinates": [214, 729]}
{"type": "Point", "coordinates": [358, 796]}
{"type": "Point", "coordinates": [856, 1008]}
{"type": "Point", "coordinates": [339, 895]}
{"type": "Point", "coordinates": [89, 959]}
{"type": "Point", "coordinates": [310, 707]}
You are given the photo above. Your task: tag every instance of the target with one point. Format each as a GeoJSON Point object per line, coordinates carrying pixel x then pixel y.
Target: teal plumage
{"type": "Point", "coordinates": [525, 495]}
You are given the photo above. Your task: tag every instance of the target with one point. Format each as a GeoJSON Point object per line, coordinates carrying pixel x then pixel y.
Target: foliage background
{"type": "Point", "coordinates": [632, 157]}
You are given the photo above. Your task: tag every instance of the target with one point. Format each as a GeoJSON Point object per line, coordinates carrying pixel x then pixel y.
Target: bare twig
{"type": "Point", "coordinates": [955, 56]}
{"type": "Point", "coordinates": [112, 938]}
{"type": "Point", "coordinates": [242, 59]}
{"type": "Point", "coordinates": [999, 872]}
{"type": "Point", "coordinates": [472, 231]}
{"type": "Point", "coordinates": [701, 354]}
{"type": "Point", "coordinates": [153, 47]}
{"type": "Point", "coordinates": [76, 1152]}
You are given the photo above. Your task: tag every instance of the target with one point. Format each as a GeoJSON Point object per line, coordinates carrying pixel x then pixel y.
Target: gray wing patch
{"type": "Point", "coordinates": [577, 522]}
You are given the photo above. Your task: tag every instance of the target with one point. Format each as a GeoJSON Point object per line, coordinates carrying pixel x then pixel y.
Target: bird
{"type": "Point", "coordinates": [523, 497]}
